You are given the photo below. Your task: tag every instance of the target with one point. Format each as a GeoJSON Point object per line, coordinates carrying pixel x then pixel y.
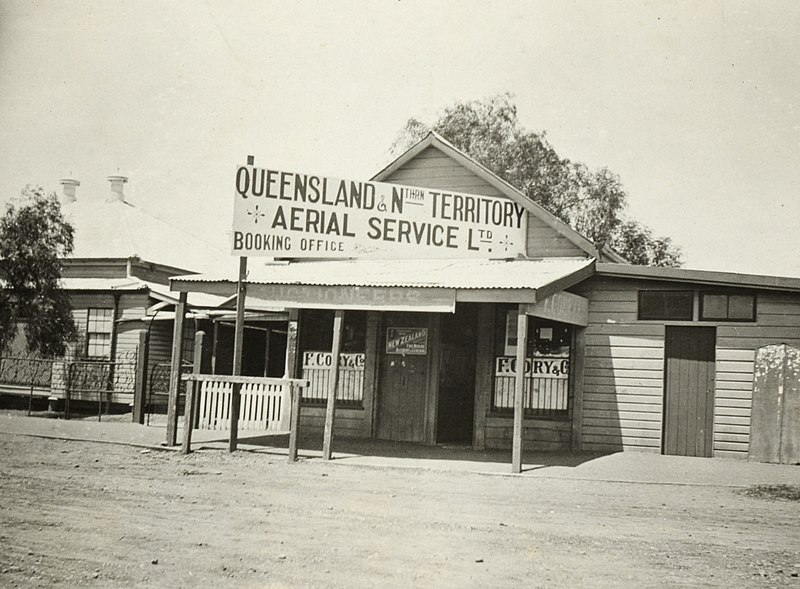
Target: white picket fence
{"type": "Point", "coordinates": [265, 402]}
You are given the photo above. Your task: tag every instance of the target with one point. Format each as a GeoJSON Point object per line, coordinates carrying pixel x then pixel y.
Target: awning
{"type": "Point", "coordinates": [396, 285]}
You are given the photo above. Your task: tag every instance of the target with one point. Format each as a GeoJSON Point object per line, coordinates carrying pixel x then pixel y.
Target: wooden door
{"type": "Point", "coordinates": [689, 390]}
{"type": "Point", "coordinates": [403, 379]}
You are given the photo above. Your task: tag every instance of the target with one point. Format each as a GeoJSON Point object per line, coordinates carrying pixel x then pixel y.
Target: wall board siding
{"type": "Point", "coordinates": [537, 434]}
{"type": "Point", "coordinates": [624, 365]}
{"type": "Point", "coordinates": [348, 423]}
{"type": "Point", "coordinates": [433, 169]}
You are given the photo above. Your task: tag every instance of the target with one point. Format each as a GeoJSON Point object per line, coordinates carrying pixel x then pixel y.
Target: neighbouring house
{"type": "Point", "coordinates": [431, 327]}
{"type": "Point", "coordinates": [118, 282]}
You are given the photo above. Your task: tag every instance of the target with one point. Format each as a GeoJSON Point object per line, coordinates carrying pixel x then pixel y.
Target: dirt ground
{"type": "Point", "coordinates": [101, 515]}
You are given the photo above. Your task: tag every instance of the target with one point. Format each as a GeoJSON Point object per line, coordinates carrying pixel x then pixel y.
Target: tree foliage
{"type": "Point", "coordinates": [34, 237]}
{"type": "Point", "coordinates": [593, 202]}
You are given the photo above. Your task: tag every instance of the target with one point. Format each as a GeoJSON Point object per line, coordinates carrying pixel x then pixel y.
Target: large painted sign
{"type": "Point", "coordinates": [291, 215]}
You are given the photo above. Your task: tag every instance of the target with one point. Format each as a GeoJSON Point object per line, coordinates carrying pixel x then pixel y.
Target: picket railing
{"type": "Point", "coordinates": [265, 402]}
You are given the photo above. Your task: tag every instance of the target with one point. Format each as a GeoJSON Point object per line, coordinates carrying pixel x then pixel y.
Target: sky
{"type": "Point", "coordinates": [695, 105]}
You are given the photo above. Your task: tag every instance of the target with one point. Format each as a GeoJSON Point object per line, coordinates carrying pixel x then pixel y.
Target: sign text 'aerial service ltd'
{"type": "Point", "coordinates": [290, 215]}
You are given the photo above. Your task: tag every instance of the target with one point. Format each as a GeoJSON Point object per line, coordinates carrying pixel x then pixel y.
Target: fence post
{"type": "Point", "coordinates": [291, 372]}
{"type": "Point", "coordinates": [175, 371]}
{"type": "Point", "coordinates": [141, 379]}
{"type": "Point", "coordinates": [67, 391]}
{"type": "Point", "coordinates": [190, 410]}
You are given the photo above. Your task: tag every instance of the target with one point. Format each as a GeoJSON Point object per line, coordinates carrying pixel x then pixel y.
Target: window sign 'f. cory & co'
{"type": "Point", "coordinates": [292, 215]}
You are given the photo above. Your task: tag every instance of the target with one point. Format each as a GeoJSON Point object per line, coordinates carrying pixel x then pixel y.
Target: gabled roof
{"type": "Point", "coordinates": [703, 277]}
{"type": "Point", "coordinates": [436, 141]}
{"type": "Point", "coordinates": [120, 230]}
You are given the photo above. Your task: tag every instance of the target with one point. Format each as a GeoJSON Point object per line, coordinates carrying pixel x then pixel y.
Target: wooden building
{"type": "Point", "coordinates": [617, 357]}
{"type": "Point", "coordinates": [118, 282]}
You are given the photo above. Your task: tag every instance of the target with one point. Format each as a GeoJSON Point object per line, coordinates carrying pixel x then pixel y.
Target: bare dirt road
{"type": "Point", "coordinates": [100, 515]}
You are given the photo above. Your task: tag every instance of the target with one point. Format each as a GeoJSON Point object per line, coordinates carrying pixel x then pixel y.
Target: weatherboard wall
{"type": "Point", "coordinates": [623, 379]}
{"type": "Point", "coordinates": [432, 168]}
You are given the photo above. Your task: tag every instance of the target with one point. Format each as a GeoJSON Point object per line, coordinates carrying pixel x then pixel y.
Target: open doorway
{"type": "Point", "coordinates": [456, 406]}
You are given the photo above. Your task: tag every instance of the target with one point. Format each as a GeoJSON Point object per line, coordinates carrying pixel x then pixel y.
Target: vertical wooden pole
{"type": "Point", "coordinates": [484, 364]}
{"type": "Point", "coordinates": [333, 383]}
{"type": "Point", "coordinates": [140, 385]}
{"type": "Point", "coordinates": [215, 340]}
{"type": "Point", "coordinates": [175, 371]}
{"type": "Point", "coordinates": [519, 389]}
{"type": "Point", "coordinates": [370, 372]}
{"type": "Point", "coordinates": [190, 409]}
{"type": "Point", "coordinates": [577, 362]}
{"type": "Point", "coordinates": [238, 343]}
{"type": "Point", "coordinates": [291, 372]}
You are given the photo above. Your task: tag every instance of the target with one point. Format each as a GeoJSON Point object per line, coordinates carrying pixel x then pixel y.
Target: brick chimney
{"type": "Point", "coordinates": [116, 194]}
{"type": "Point", "coordinates": [68, 190]}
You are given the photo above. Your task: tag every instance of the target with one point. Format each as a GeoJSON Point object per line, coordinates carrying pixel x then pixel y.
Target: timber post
{"type": "Point", "coordinates": [291, 372]}
{"type": "Point", "coordinates": [519, 389]}
{"type": "Point", "coordinates": [175, 371]}
{"type": "Point", "coordinates": [190, 409]}
{"type": "Point", "coordinates": [238, 343]}
{"type": "Point", "coordinates": [140, 390]}
{"type": "Point", "coordinates": [333, 383]}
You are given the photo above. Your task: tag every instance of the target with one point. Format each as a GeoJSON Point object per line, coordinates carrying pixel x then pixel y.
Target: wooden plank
{"type": "Point", "coordinates": [327, 441]}
{"type": "Point", "coordinates": [371, 373]}
{"type": "Point", "coordinates": [290, 371]}
{"type": "Point", "coordinates": [519, 389]}
{"type": "Point", "coordinates": [561, 306]}
{"type": "Point", "coordinates": [432, 396]}
{"type": "Point", "coordinates": [257, 380]}
{"type": "Point", "coordinates": [483, 373]}
{"type": "Point", "coordinates": [190, 409]}
{"type": "Point", "coordinates": [577, 381]}
{"type": "Point", "coordinates": [238, 342]}
{"type": "Point", "coordinates": [175, 371]}
{"type": "Point", "coordinates": [140, 386]}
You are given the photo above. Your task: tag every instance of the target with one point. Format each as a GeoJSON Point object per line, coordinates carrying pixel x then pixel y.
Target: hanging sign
{"type": "Point", "coordinates": [407, 340]}
{"type": "Point", "coordinates": [291, 215]}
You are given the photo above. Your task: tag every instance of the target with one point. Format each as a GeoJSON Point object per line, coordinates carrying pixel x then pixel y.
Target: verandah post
{"type": "Point", "coordinates": [140, 385]}
{"type": "Point", "coordinates": [238, 342]}
{"type": "Point", "coordinates": [519, 389]}
{"type": "Point", "coordinates": [175, 371]}
{"type": "Point", "coordinates": [291, 372]}
{"type": "Point", "coordinates": [190, 410]}
{"type": "Point", "coordinates": [333, 383]}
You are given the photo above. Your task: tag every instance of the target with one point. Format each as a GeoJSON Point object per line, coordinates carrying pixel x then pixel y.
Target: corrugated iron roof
{"type": "Point", "coordinates": [121, 230]}
{"type": "Point", "coordinates": [458, 274]}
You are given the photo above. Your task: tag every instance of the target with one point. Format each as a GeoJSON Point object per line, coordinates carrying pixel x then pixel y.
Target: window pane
{"type": "Point", "coordinates": [715, 306]}
{"type": "Point", "coordinates": [741, 307]}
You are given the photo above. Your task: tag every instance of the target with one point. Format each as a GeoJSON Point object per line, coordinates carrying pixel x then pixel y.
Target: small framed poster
{"type": "Point", "coordinates": [407, 340]}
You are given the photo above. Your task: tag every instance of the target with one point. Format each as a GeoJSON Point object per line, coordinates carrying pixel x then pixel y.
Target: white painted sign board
{"type": "Point", "coordinates": [290, 215]}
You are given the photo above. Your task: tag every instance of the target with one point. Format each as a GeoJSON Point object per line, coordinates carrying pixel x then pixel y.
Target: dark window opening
{"type": "Point", "coordinates": [666, 305]}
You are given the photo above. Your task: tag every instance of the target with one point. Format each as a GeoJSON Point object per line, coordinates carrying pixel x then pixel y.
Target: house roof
{"type": "Point", "coordinates": [132, 284]}
{"type": "Point", "coordinates": [121, 230]}
{"type": "Point", "coordinates": [435, 140]}
{"type": "Point", "coordinates": [708, 277]}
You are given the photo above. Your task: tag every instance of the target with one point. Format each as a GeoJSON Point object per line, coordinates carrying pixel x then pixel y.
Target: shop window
{"type": "Point", "coordinates": [316, 343]}
{"type": "Point", "coordinates": [546, 365]}
{"type": "Point", "coordinates": [98, 333]}
{"type": "Point", "coordinates": [666, 305]}
{"type": "Point", "coordinates": [715, 306]}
